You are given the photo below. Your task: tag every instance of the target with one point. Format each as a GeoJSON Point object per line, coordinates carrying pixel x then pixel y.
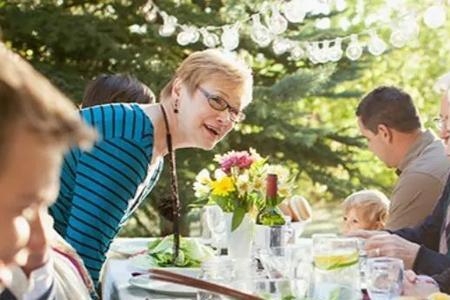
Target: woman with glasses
{"type": "Point", "coordinates": [101, 188]}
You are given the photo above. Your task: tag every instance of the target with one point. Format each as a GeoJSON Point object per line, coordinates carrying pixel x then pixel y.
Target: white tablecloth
{"type": "Point", "coordinates": [117, 273]}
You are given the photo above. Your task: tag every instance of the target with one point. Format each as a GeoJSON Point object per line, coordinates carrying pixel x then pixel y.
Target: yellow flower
{"type": "Point", "coordinates": [222, 186]}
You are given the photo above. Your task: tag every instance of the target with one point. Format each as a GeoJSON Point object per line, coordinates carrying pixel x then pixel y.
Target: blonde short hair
{"type": "Point", "coordinates": [213, 63]}
{"type": "Point", "coordinates": [372, 204]}
{"type": "Point", "coordinates": [27, 98]}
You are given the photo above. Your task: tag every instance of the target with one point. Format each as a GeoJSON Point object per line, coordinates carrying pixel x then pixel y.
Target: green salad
{"type": "Point", "coordinates": [192, 253]}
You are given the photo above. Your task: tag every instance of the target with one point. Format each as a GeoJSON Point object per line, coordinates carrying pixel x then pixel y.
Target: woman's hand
{"type": "Point", "coordinates": [418, 285]}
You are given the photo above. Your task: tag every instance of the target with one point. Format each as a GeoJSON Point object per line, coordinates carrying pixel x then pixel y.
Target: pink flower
{"type": "Point", "coordinates": [242, 160]}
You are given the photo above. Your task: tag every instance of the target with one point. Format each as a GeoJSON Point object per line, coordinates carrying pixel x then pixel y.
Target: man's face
{"type": "Point", "coordinates": [445, 123]}
{"type": "Point", "coordinates": [29, 183]}
{"type": "Point", "coordinates": [377, 143]}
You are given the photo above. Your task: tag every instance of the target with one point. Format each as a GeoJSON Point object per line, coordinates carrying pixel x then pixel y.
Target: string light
{"type": "Point", "coordinates": [435, 16]}
{"type": "Point", "coordinates": [280, 13]}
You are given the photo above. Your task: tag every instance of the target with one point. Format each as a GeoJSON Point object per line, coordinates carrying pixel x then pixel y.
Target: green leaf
{"type": "Point", "coordinates": [238, 216]}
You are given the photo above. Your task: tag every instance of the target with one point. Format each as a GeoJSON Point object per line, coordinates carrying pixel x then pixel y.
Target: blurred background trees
{"type": "Point", "coordinates": [302, 113]}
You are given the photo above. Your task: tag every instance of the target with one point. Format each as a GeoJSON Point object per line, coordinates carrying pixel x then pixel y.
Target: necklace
{"type": "Point", "coordinates": [174, 190]}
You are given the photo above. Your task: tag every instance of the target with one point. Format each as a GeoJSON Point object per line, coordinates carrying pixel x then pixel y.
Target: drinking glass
{"type": "Point", "coordinates": [362, 262]}
{"type": "Point", "coordinates": [273, 236]}
{"type": "Point", "coordinates": [215, 221]}
{"type": "Point", "coordinates": [336, 268]}
{"type": "Point", "coordinates": [384, 278]}
{"type": "Point", "coordinates": [292, 262]}
{"type": "Point", "coordinates": [270, 288]}
{"type": "Point", "coordinates": [218, 269]}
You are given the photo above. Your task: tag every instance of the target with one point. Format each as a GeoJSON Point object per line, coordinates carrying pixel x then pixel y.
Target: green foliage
{"type": "Point", "coordinates": [302, 114]}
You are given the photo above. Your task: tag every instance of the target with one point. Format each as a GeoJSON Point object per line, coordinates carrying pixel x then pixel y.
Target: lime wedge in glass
{"type": "Point", "coordinates": [336, 260]}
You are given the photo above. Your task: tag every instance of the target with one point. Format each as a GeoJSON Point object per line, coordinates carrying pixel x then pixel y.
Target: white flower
{"type": "Point", "coordinates": [201, 190]}
{"type": "Point", "coordinates": [243, 184]}
{"type": "Point", "coordinates": [255, 154]}
{"type": "Point", "coordinates": [281, 171]}
{"type": "Point", "coordinates": [203, 177]}
{"type": "Point", "coordinates": [218, 173]}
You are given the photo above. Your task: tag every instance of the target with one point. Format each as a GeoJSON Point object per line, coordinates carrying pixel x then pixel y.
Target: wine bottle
{"type": "Point", "coordinates": [271, 215]}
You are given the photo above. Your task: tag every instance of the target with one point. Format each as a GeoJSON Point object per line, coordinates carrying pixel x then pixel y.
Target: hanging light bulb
{"type": "Point", "coordinates": [281, 46]}
{"type": "Point", "coordinates": [341, 5]}
{"type": "Point", "coordinates": [169, 25]}
{"type": "Point", "coordinates": [139, 29]}
{"type": "Point", "coordinates": [260, 34]}
{"type": "Point", "coordinates": [230, 37]}
{"type": "Point", "coordinates": [210, 40]}
{"type": "Point", "coordinates": [404, 30]}
{"type": "Point", "coordinates": [188, 35]}
{"type": "Point", "coordinates": [323, 53]}
{"type": "Point", "coordinates": [317, 53]}
{"type": "Point", "coordinates": [370, 19]}
{"type": "Point", "coordinates": [312, 51]}
{"type": "Point", "coordinates": [354, 49]}
{"type": "Point", "coordinates": [376, 45]}
{"type": "Point", "coordinates": [396, 4]}
{"type": "Point", "coordinates": [411, 26]}
{"type": "Point", "coordinates": [398, 38]}
{"type": "Point", "coordinates": [322, 8]}
{"type": "Point", "coordinates": [277, 23]}
{"type": "Point", "coordinates": [150, 12]}
{"type": "Point", "coordinates": [297, 53]}
{"type": "Point", "coordinates": [335, 54]}
{"type": "Point", "coordinates": [435, 16]}
{"type": "Point", "coordinates": [293, 11]}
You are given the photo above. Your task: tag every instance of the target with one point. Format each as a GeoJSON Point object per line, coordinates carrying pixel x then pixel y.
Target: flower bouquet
{"type": "Point", "coordinates": [238, 184]}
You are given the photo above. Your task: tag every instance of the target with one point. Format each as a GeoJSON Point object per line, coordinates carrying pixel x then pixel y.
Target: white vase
{"type": "Point", "coordinates": [240, 240]}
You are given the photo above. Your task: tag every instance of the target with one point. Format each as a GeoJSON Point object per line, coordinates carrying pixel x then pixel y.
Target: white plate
{"type": "Point", "coordinates": [142, 262]}
{"type": "Point", "coordinates": [129, 247]}
{"type": "Point", "coordinates": [144, 282]}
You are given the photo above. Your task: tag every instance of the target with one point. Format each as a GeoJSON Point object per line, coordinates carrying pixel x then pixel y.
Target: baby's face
{"type": "Point", "coordinates": [353, 221]}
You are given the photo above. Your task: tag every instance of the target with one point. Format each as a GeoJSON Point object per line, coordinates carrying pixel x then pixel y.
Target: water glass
{"type": "Point", "coordinates": [292, 262]}
{"type": "Point", "coordinates": [362, 262]}
{"type": "Point", "coordinates": [384, 278]}
{"type": "Point", "coordinates": [218, 269]}
{"type": "Point", "coordinates": [273, 289]}
{"type": "Point", "coordinates": [336, 268]}
{"type": "Point", "coordinates": [216, 223]}
{"type": "Point", "coordinates": [273, 236]}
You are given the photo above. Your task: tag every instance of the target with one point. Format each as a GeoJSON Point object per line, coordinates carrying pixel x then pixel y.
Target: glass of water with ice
{"type": "Point", "coordinates": [384, 278]}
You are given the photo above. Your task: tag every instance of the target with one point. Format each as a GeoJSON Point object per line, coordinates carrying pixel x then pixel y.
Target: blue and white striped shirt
{"type": "Point", "coordinates": [102, 187]}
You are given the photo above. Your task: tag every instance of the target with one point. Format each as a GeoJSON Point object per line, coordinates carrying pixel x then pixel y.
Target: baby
{"type": "Point", "coordinates": [366, 209]}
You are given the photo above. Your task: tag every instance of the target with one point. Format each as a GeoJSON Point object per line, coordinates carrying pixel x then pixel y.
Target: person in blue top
{"type": "Point", "coordinates": [101, 188]}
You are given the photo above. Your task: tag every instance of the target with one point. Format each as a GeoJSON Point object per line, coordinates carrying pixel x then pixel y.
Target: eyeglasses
{"type": "Point", "coordinates": [219, 104]}
{"type": "Point", "coordinates": [440, 122]}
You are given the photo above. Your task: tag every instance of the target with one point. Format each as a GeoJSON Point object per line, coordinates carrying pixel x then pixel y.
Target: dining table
{"type": "Point", "coordinates": [118, 271]}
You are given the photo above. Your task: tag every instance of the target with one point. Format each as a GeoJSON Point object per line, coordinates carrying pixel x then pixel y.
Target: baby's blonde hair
{"type": "Point", "coordinates": [372, 204]}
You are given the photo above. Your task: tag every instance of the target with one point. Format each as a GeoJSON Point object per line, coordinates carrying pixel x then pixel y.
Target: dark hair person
{"type": "Point", "coordinates": [389, 106]}
{"type": "Point", "coordinates": [116, 88]}
{"type": "Point", "coordinates": [389, 121]}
